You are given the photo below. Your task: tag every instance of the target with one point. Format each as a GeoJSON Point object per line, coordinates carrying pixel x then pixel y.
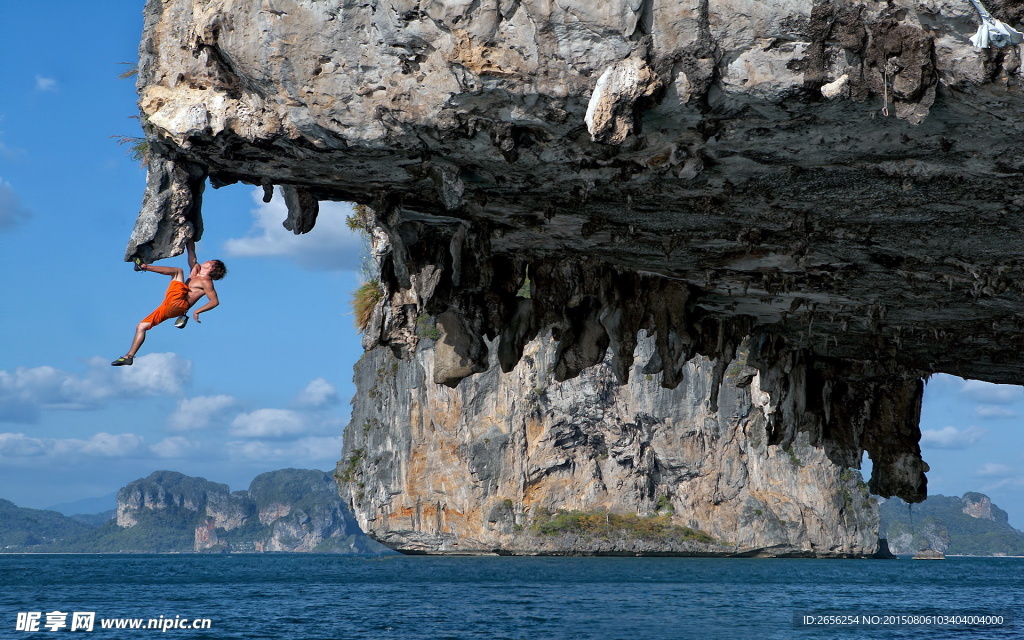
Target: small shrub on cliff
{"type": "Point", "coordinates": [364, 300]}
{"type": "Point", "coordinates": [665, 504]}
{"type": "Point", "coordinates": [426, 327]}
{"type": "Point", "coordinates": [360, 219]}
{"type": "Point", "coordinates": [793, 458]}
{"type": "Point", "coordinates": [138, 148]}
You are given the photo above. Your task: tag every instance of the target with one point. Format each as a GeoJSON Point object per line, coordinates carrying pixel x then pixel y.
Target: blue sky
{"type": "Point", "coordinates": [264, 382]}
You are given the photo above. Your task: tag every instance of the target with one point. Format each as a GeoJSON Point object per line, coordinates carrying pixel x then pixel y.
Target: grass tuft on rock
{"type": "Point", "coordinates": [364, 300]}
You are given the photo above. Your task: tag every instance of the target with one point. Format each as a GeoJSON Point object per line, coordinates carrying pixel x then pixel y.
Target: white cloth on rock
{"type": "Point", "coordinates": [993, 32]}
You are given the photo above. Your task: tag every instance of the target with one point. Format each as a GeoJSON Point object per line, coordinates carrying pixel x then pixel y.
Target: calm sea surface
{"type": "Point", "coordinates": [328, 597]}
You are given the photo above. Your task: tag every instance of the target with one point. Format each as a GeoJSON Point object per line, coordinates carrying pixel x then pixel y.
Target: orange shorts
{"type": "Point", "coordinates": [175, 304]}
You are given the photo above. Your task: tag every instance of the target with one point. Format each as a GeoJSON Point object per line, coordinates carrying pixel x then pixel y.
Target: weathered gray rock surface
{"type": "Point", "coordinates": [705, 171]}
{"type": "Point", "coordinates": [432, 469]}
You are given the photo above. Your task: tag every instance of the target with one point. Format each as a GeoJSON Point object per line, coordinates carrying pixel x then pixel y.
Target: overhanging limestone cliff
{"type": "Point", "coordinates": [705, 171]}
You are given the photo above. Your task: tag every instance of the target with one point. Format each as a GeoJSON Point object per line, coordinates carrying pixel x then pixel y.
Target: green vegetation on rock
{"type": "Point", "coordinates": [348, 473]}
{"type": "Point", "coordinates": [607, 525]}
{"type": "Point", "coordinates": [426, 327]}
{"type": "Point", "coordinates": [664, 505]}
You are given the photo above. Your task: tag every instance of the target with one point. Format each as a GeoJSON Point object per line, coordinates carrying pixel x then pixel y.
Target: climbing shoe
{"type": "Point", "coordinates": [138, 267]}
{"type": "Point", "coordinates": [122, 361]}
{"type": "Point", "coordinates": [181, 322]}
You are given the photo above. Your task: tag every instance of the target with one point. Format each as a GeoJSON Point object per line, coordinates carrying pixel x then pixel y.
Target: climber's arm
{"type": "Point", "coordinates": [193, 264]}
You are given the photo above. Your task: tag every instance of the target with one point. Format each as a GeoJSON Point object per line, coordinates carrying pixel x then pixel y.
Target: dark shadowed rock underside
{"type": "Point", "coordinates": [705, 171]}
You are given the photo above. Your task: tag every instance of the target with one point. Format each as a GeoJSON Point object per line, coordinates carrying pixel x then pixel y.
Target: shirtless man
{"type": "Point", "coordinates": [181, 295]}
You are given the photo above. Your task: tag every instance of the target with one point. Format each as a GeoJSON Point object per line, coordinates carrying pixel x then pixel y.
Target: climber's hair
{"type": "Point", "coordinates": [218, 271]}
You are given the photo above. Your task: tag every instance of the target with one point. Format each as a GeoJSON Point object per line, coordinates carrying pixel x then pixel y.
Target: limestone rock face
{"type": "Point", "coordinates": [432, 469]}
{"type": "Point", "coordinates": [838, 180]}
{"type": "Point", "coordinates": [978, 505]}
{"type": "Point", "coordinates": [166, 491]}
{"type": "Point", "coordinates": [274, 511]}
{"type": "Point", "coordinates": [304, 532]}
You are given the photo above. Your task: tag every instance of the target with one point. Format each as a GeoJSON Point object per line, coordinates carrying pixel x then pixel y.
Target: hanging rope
{"type": "Point", "coordinates": [888, 71]}
{"type": "Point", "coordinates": [885, 91]}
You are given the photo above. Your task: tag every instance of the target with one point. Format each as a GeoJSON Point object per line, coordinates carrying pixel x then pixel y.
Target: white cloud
{"type": "Point", "coordinates": [104, 445]}
{"type": "Point", "coordinates": [45, 84]}
{"type": "Point", "coordinates": [268, 423]}
{"type": "Point", "coordinates": [319, 448]}
{"type": "Point", "coordinates": [174, 447]}
{"type": "Point", "coordinates": [100, 445]}
{"type": "Point", "coordinates": [154, 374]}
{"type": "Point", "coordinates": [995, 470]}
{"type": "Point", "coordinates": [989, 411]}
{"type": "Point", "coordinates": [319, 393]}
{"type": "Point", "coordinates": [951, 437]}
{"type": "Point", "coordinates": [12, 212]}
{"type": "Point", "coordinates": [25, 392]}
{"type": "Point", "coordinates": [200, 412]}
{"type": "Point", "coordinates": [330, 246]}
{"type": "Point", "coordinates": [18, 445]}
{"type": "Point", "coordinates": [1005, 483]}
{"type": "Point", "coordinates": [989, 393]}
{"type": "Point", "coordinates": [301, 452]}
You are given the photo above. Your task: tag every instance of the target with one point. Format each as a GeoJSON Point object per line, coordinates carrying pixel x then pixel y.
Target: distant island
{"type": "Point", "coordinates": [970, 525]}
{"type": "Point", "coordinates": [290, 510]}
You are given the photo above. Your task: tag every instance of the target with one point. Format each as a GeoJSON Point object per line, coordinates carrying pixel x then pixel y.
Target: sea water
{"type": "Point", "coordinates": [418, 597]}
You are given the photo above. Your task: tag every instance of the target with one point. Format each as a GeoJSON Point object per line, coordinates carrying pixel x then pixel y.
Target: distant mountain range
{"type": "Point", "coordinates": [969, 525]}
{"type": "Point", "coordinates": [23, 529]}
{"type": "Point", "coordinates": [87, 505]}
{"type": "Point", "coordinates": [291, 510]}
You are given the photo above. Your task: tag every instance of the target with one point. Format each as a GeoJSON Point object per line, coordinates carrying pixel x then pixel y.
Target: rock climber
{"type": "Point", "coordinates": [181, 295]}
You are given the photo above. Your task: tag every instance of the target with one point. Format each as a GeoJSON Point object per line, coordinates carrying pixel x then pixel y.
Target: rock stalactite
{"type": "Point", "coordinates": [171, 210]}
{"type": "Point", "coordinates": [843, 405]}
{"type": "Point", "coordinates": [709, 173]}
